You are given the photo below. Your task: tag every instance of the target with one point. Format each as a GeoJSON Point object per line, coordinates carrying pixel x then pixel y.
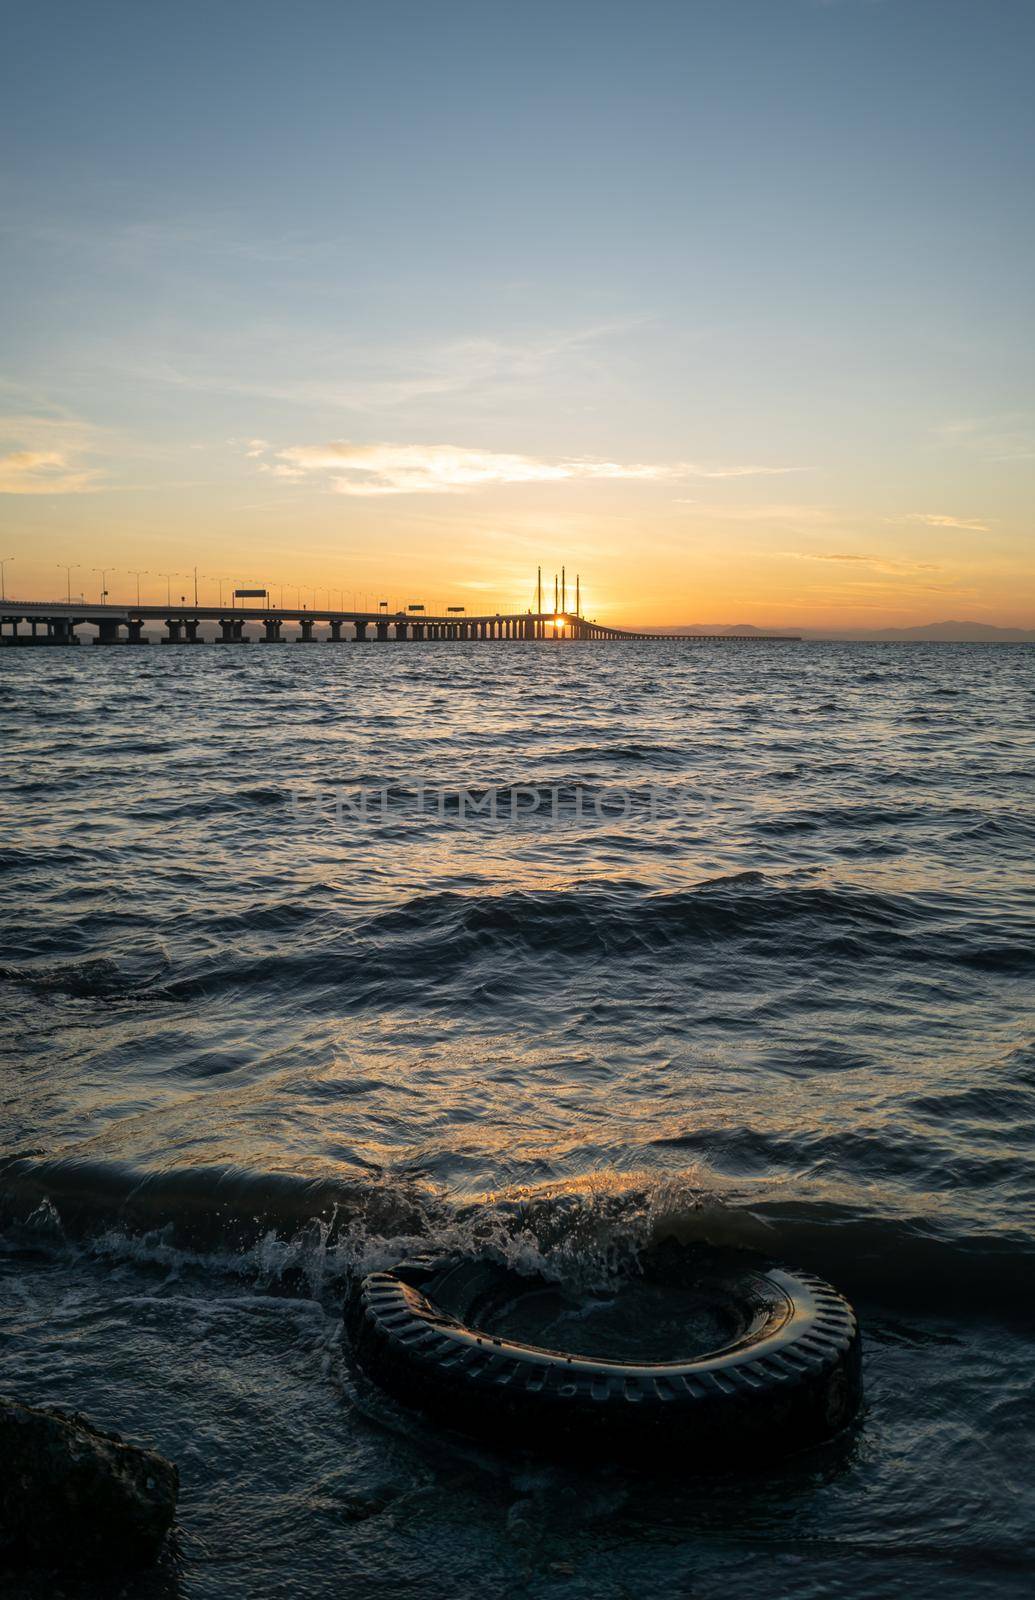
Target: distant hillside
{"type": "Point", "coordinates": [708, 628]}
{"type": "Point", "coordinates": [938, 632]}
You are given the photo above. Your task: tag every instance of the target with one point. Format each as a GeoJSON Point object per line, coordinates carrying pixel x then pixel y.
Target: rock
{"type": "Point", "coordinates": [77, 1499]}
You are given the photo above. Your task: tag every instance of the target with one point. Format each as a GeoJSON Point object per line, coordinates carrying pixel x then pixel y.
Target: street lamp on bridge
{"type": "Point", "coordinates": [68, 567]}
{"type": "Point", "coordinates": [103, 572]}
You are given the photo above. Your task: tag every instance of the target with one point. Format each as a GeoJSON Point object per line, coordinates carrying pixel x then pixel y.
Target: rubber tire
{"type": "Point", "coordinates": [791, 1381]}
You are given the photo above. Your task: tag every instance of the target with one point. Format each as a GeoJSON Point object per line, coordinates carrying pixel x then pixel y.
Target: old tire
{"type": "Point", "coordinates": [788, 1378]}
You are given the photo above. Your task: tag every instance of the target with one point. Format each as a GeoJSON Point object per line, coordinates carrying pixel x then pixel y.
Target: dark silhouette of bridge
{"type": "Point", "coordinates": [48, 622]}
{"type": "Point", "coordinates": [55, 622]}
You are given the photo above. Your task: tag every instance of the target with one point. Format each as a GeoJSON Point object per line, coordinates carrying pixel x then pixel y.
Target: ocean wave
{"type": "Point", "coordinates": [387, 956]}
{"type": "Point", "coordinates": [418, 949]}
{"type": "Point", "coordinates": [587, 1233]}
{"type": "Point", "coordinates": [94, 977]}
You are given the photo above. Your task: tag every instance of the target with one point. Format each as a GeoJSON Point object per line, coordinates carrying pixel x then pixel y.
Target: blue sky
{"type": "Point", "coordinates": [372, 292]}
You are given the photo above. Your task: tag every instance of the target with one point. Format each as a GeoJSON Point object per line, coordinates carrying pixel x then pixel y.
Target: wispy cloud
{"type": "Point", "coordinates": [689, 470]}
{"type": "Point", "coordinates": [381, 469]}
{"type": "Point", "coordinates": [320, 373]}
{"type": "Point", "coordinates": [1006, 436]}
{"type": "Point", "coordinates": [863, 558]}
{"type": "Point", "coordinates": [45, 455]}
{"type": "Point", "coordinates": [934, 519]}
{"type": "Point", "coordinates": [389, 469]}
{"type": "Point", "coordinates": [792, 513]}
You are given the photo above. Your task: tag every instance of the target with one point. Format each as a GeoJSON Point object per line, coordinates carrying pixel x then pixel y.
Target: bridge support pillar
{"type": "Point", "coordinates": [335, 637]}
{"type": "Point", "coordinates": [402, 629]}
{"type": "Point", "coordinates": [135, 631]}
{"type": "Point", "coordinates": [175, 634]}
{"type": "Point", "coordinates": [417, 631]}
{"type": "Point", "coordinates": [272, 633]}
{"type": "Point", "coordinates": [361, 631]}
{"type": "Point", "coordinates": [382, 631]}
{"type": "Point", "coordinates": [107, 631]}
{"type": "Point", "coordinates": [306, 636]}
{"type": "Point", "coordinates": [190, 628]}
{"type": "Point", "coordinates": [61, 630]}
{"type": "Point", "coordinates": [231, 631]}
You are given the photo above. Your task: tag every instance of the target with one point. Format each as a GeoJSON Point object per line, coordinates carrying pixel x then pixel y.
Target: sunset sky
{"type": "Point", "coordinates": [727, 304]}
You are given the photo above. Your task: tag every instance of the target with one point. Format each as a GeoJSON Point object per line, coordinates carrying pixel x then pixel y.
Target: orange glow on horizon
{"type": "Point", "coordinates": [652, 567]}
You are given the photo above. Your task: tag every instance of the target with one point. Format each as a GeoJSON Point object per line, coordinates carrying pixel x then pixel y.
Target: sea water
{"type": "Point", "coordinates": [314, 955]}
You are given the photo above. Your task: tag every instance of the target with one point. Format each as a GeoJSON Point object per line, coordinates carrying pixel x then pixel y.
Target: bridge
{"type": "Point", "coordinates": [48, 622]}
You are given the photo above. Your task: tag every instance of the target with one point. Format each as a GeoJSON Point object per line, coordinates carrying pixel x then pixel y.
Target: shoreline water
{"type": "Point", "coordinates": [249, 1053]}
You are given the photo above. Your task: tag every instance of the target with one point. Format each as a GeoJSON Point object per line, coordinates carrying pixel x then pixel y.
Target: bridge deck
{"type": "Point", "coordinates": [61, 618]}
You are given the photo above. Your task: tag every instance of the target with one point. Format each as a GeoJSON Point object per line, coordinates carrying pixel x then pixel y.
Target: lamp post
{"type": "Point", "coordinates": [3, 582]}
{"type": "Point", "coordinates": [103, 571]}
{"type": "Point", "coordinates": [168, 576]}
{"type": "Point", "coordinates": [138, 575]}
{"type": "Point", "coordinates": [68, 567]}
